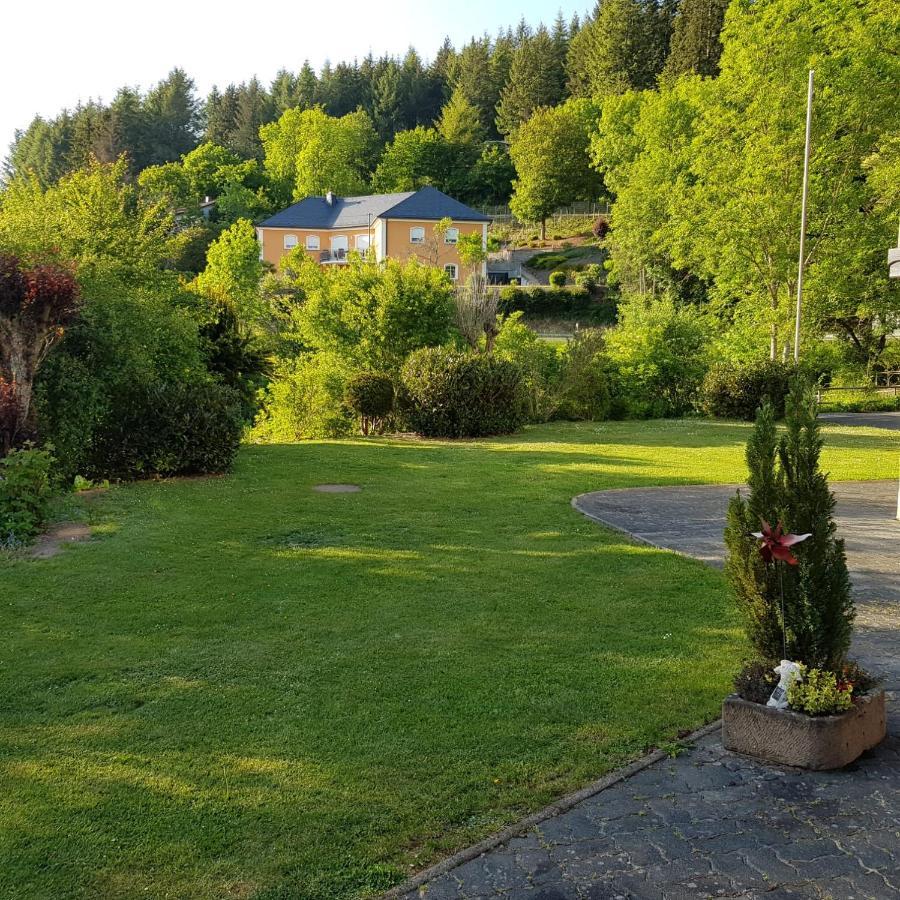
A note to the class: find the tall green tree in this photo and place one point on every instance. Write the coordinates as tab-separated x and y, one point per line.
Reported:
739	219
536	79
550	155
696	40
172	119
415	158
308	152
614	51
254	109
476	80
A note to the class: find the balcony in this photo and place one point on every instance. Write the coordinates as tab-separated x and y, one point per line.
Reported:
333	257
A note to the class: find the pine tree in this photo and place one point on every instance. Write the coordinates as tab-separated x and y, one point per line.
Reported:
788	486
220	114
475	78
307	87
172	118
614	52
127	126
536	79
254	109
283	91
460	123
696	45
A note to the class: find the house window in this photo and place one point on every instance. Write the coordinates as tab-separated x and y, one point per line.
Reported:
362	243
417	235
451	236
290	241
312	242
452	270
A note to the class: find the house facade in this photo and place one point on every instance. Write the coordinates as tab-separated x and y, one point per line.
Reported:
393	226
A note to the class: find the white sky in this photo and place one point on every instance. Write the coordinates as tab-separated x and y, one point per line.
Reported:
57	53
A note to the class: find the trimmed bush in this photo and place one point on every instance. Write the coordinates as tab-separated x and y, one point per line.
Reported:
24	494
453	394
737	391
167	428
563	303
558	278
371	396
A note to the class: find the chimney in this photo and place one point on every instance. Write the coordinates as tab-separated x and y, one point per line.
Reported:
329	198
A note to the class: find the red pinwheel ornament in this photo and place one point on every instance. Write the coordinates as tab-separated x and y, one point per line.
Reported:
775	544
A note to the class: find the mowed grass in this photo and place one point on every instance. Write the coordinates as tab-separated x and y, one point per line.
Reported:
242	688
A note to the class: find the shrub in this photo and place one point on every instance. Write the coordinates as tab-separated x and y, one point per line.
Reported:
563	303
819	693
305	400
584	387
600	228
539	363
371	396
452	394
558	278
788	487
733	391
167	428
756	681
24	494
547	261
660	351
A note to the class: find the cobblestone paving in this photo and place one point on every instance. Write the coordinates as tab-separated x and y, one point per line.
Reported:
708	824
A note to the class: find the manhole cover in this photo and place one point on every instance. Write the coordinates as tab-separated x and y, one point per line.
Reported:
337	488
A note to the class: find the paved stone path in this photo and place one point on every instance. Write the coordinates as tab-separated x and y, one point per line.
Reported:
709	823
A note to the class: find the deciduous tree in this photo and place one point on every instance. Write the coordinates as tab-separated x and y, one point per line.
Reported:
550	155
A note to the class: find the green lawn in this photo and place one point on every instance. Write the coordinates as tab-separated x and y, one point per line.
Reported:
241	688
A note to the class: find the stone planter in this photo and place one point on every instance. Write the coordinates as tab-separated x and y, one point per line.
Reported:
793	739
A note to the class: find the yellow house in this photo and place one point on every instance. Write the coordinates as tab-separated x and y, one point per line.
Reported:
395	226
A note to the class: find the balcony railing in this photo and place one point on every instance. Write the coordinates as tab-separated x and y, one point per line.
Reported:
334	256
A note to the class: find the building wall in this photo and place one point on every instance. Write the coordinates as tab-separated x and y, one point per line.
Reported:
390	238
272	241
434	251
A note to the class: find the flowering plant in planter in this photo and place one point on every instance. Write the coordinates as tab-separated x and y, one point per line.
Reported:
792	585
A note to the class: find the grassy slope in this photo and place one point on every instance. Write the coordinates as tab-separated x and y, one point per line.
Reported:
245	689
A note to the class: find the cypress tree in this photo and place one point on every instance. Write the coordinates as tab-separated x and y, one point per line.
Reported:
788	486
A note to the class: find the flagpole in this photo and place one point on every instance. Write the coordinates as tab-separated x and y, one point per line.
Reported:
803	216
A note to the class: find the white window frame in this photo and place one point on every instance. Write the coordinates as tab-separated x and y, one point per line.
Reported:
413	235
290	241
451	236
454	274
313	242
365	240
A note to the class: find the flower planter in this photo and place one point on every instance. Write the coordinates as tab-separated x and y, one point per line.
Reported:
808	742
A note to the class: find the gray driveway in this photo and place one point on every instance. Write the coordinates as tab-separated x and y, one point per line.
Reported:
890	420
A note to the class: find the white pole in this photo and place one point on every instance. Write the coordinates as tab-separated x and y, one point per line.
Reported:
802	265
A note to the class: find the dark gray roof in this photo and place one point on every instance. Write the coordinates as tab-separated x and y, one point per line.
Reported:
355	212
